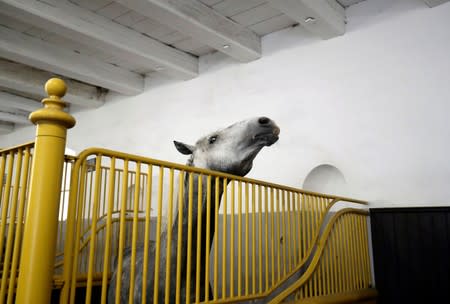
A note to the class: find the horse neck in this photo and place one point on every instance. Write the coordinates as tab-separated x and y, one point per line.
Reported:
186	202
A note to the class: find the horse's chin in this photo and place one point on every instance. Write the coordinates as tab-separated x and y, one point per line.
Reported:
267	138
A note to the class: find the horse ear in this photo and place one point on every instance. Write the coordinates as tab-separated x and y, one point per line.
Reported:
183	148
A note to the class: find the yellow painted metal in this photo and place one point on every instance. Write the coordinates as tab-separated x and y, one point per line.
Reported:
216	240
18	233
40	231
134	239
189	239
297	213
224	240
232	241
260	238
246	205
208	235
266	232
254	254
199	233
158	235
94	227
107	252
335	220
10	236
239	270
169	236
180	235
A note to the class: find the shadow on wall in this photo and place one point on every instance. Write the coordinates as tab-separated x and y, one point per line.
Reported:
326	179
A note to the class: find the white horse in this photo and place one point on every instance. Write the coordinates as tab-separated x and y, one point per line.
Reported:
230	150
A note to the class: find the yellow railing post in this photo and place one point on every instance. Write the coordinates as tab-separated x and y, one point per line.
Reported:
40	232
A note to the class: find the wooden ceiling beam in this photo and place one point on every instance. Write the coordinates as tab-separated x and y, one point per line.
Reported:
21	78
203	24
325	18
18	102
69	20
14	118
433	3
5	128
37	53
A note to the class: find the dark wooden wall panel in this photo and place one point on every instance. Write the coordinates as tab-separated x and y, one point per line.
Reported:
411	254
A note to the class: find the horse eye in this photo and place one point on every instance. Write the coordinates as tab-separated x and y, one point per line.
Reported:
212	139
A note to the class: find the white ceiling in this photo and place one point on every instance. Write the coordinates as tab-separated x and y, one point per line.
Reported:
101	45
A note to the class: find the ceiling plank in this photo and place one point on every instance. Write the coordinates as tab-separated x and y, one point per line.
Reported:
14	118
18	102
69	20
6	128
37	53
20	78
203	24
433	3
318	16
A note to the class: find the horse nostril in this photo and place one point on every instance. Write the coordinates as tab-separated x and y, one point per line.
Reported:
263	120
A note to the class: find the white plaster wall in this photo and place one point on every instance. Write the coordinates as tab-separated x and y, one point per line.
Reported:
374	103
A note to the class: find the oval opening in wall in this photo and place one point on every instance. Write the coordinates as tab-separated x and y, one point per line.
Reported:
327	179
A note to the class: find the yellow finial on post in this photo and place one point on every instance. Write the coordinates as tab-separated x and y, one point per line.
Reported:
40	232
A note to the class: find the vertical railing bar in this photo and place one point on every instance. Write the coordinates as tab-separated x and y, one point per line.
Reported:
329	272
169	237
266	232
147	232
260	239
158	236
3	159
180	235
285	237
299	229
78	218
85	257
60	245
12	218
305	211
246	283
366	251
360	253
199	237
346	254
272	234
6	200
341	255
122	231
216	238
134	235
93	235
239	271
352	252
18	234
208	236
224	240
189	238
232	239
288	228
107	249
254	255
280	238
293	230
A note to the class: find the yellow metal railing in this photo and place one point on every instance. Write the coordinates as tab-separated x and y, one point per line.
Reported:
341	263
14	172
264	233
110	212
